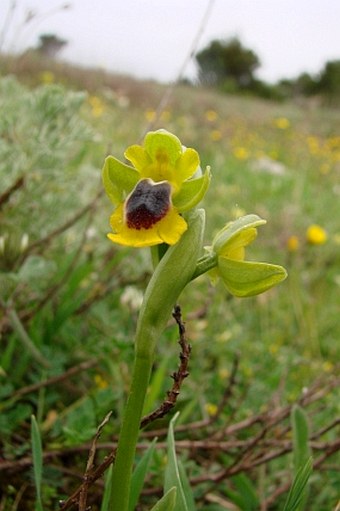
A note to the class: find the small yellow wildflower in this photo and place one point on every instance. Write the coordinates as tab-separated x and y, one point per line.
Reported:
325	168
313	145
274	348
224	373
150	115
97	107
241	153
165	116
316	235
47	77
211	115
100	382
282	123
293	243
327	366
215	135
211	409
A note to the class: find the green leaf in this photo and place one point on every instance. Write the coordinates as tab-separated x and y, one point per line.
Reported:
192	192
301	449
245	497
227	235
246	278
107	491
139	474
186	487
297	490
37	460
173	474
118	179
167	502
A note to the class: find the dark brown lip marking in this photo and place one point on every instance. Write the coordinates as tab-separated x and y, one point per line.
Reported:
147	204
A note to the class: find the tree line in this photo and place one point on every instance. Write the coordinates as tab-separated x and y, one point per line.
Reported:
231	67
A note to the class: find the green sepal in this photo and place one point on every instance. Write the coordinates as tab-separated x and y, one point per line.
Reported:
167	142
192	192
119	179
248	278
228	235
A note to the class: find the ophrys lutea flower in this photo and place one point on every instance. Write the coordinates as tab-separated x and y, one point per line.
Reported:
150	196
242	278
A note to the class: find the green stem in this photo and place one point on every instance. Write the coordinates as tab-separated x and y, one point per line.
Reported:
122	469
204	264
171	275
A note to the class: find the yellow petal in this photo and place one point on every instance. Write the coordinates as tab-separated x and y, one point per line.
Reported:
171	227
236	250
137	156
186	165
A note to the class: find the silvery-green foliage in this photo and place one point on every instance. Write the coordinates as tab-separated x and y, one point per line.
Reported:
43	140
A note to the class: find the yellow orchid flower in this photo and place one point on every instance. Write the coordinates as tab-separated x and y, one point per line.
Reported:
151	195
242	278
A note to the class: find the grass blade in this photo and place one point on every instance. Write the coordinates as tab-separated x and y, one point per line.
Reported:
139	474
173	477
107	491
301	448
300	429
167	502
37	460
297	490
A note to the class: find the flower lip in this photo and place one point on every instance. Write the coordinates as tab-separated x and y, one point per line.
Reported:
147	204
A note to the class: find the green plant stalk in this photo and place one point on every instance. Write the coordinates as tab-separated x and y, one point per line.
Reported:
171	275
204	264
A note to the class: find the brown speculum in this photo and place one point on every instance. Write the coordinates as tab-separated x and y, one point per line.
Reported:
147	204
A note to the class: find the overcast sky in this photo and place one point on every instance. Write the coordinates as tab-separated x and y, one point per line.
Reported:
152	38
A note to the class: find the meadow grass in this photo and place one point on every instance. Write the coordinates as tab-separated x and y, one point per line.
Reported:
77	296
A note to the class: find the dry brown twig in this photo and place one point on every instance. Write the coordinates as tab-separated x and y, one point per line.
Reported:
178	376
90	464
5	197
